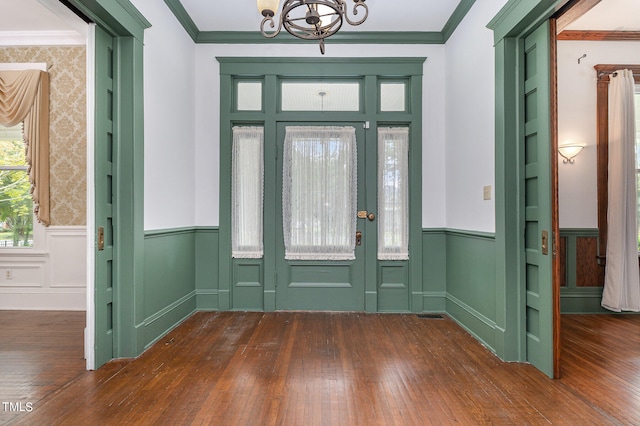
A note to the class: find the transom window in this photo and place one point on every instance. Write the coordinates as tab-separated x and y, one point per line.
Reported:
320	96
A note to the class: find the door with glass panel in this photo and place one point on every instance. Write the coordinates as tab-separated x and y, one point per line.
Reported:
330	239
320	247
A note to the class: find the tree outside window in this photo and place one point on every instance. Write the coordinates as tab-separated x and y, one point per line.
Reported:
16	205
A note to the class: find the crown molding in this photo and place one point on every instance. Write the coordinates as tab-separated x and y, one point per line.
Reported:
342	37
41	38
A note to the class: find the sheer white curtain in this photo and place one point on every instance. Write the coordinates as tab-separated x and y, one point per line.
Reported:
393	193
319	192
622	280
247	177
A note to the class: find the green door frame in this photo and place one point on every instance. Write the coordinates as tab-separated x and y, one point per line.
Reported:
270	70
126	24
514	21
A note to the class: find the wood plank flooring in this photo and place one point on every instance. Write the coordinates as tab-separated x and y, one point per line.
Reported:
235	368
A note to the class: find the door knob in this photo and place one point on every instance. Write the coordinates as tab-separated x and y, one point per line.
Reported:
371	217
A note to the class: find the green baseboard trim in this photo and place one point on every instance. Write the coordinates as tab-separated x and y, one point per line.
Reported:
582	301
162	322
478	325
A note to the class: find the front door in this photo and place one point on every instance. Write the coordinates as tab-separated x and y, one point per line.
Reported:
322	243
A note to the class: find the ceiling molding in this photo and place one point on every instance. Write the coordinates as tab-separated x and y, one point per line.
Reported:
41	38
342	37
456	18
577	35
572	11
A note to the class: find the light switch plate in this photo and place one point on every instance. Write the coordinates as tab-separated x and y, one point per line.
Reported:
486	191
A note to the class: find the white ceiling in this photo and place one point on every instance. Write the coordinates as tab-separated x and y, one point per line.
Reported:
384	15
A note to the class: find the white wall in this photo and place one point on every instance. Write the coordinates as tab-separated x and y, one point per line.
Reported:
169	135
577	184
470	120
208	117
50	276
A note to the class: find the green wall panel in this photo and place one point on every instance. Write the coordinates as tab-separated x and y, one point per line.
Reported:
248	285
207	267
169	286
471	282
434	278
393	286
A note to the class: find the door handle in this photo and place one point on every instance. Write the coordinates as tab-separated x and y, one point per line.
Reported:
358	238
371	217
545	242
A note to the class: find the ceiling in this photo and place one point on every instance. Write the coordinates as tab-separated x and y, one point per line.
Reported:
384	15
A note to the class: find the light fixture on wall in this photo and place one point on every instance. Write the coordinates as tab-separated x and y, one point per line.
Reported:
309	19
569	151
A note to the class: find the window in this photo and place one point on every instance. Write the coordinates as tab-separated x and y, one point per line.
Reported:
16	206
247	184
320	96
393	193
603	72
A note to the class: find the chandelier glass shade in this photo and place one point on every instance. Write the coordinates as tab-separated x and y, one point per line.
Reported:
309	19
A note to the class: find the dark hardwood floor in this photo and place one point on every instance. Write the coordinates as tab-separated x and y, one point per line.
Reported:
316	368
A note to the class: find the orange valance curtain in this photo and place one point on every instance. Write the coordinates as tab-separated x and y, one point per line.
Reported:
24	97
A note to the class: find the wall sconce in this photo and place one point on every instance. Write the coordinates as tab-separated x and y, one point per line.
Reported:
569	151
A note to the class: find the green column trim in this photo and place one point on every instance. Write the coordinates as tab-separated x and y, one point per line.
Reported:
121	16
518	15
342	37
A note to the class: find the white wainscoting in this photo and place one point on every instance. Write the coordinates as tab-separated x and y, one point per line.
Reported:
51	276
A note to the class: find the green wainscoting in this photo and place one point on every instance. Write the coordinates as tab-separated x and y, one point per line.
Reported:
170	280
434	275
471	283
582	278
207	267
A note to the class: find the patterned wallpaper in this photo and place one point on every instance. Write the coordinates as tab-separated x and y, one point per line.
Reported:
68	119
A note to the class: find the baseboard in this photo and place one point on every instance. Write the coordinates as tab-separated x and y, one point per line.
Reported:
478	325
159	324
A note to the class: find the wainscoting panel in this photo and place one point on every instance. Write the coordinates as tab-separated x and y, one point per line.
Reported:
582	277
169	280
52	276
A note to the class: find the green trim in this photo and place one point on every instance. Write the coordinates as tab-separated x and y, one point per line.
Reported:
477	324
579	232
471	234
517	15
342	37
156	326
318	67
456	18
121	17
166	232
183	18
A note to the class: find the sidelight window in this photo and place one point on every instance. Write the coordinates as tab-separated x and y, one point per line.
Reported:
247	183
393	193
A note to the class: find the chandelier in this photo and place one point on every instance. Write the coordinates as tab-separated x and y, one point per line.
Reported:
309	19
